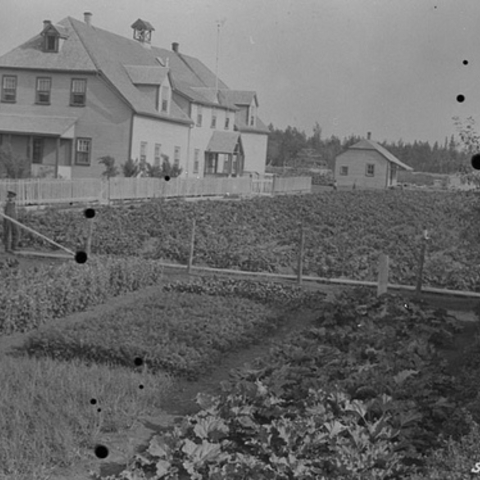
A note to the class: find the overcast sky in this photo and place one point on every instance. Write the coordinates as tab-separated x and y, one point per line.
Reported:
392	67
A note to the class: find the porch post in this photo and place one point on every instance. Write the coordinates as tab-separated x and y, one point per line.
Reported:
57	156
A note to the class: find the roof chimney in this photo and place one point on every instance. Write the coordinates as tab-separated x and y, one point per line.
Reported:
369	134
175	47
87	18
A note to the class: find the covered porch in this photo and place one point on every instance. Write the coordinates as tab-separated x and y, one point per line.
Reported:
47	143
224	155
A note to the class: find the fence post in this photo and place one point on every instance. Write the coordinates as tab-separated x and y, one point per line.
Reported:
88	246
300	254
382	275
425	239
192	242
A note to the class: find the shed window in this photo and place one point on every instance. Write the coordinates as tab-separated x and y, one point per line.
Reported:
84	146
78	93
343	170
370	170
44	86
9	88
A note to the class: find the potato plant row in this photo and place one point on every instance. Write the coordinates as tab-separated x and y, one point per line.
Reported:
361	395
345	232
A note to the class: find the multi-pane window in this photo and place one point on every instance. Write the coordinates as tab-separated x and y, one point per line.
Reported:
84	146
143	152
370	171
165	97
199	115
227	122
343	170
176	157
78	94
158	154
196	160
44	86
51	43
214	119
9	88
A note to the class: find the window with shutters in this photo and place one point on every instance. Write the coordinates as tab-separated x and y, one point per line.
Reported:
84	146
78	94
9	88
44	86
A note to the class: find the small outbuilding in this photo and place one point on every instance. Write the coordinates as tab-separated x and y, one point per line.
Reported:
366	164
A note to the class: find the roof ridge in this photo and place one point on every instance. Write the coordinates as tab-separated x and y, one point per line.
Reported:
92	57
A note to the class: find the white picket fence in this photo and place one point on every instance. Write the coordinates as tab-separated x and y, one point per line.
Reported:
86	190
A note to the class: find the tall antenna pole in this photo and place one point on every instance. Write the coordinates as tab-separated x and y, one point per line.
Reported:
219	24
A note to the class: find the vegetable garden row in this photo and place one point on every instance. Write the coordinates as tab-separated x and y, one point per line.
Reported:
344	233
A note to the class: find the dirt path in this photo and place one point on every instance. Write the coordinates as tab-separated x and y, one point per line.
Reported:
124	444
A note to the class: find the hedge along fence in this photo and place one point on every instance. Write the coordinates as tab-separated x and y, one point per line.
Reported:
30	298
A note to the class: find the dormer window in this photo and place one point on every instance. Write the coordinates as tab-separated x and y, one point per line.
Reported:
251	119
165	99
51	43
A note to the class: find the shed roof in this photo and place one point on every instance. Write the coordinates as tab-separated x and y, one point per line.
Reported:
223	142
366	144
35	124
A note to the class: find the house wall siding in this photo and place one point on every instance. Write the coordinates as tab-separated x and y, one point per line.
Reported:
356	161
255	150
105	118
169	135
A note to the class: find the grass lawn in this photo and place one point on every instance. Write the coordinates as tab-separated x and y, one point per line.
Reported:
47	416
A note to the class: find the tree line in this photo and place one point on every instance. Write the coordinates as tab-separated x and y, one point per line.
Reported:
287	147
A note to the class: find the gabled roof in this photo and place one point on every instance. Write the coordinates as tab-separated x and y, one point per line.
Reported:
122	62
58	29
223	142
242	126
72	56
238	97
146	75
366	144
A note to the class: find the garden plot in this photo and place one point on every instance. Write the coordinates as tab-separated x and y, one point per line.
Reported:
180	333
